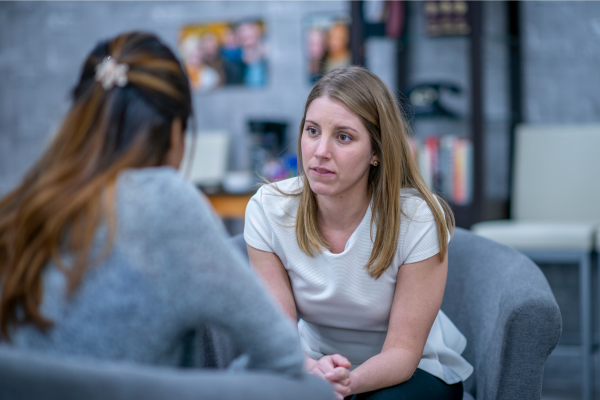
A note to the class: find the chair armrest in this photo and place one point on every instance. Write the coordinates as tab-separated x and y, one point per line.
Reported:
43	377
527	335
502	303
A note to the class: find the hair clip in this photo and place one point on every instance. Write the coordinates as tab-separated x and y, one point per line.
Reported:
110	73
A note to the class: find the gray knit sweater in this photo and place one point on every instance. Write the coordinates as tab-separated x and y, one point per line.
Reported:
171	271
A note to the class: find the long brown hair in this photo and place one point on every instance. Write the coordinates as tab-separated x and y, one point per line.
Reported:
69	191
370	99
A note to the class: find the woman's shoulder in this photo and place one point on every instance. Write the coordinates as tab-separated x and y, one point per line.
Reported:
412	202
283	188
280	195
416	211
157	185
418	239
274	206
152	178
158	193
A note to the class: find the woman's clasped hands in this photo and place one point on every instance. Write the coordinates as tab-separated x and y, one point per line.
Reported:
336	369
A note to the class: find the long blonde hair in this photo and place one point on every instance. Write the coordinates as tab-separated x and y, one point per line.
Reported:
70	189
370	99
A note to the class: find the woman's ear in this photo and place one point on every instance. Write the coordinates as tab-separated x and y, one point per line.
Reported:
176	145
374	159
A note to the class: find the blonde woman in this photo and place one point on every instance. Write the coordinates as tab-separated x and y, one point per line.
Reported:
356	248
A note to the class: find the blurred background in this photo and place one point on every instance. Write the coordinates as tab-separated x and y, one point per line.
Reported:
466	74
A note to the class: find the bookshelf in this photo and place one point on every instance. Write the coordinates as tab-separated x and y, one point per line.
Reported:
472	122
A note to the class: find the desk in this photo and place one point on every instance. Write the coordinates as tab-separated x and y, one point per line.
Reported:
228	205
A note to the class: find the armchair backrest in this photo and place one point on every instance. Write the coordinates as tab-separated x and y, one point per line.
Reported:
25	375
500	300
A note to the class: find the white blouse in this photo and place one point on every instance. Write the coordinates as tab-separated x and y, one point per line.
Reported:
342	309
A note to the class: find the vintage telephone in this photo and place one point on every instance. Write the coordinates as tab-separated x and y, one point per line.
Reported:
425	98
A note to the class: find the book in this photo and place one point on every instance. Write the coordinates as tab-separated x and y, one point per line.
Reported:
446	164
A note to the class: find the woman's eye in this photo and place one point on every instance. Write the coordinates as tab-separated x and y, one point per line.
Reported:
312	131
344	138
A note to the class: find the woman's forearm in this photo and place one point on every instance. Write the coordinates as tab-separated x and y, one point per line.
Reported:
388	368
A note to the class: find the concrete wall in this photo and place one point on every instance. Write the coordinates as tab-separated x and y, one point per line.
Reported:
561	59
43	44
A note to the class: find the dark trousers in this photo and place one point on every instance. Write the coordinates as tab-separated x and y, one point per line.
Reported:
421	386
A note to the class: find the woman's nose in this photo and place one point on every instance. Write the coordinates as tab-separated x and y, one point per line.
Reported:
322	150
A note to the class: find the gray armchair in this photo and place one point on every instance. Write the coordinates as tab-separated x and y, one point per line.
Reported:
502	303
25	376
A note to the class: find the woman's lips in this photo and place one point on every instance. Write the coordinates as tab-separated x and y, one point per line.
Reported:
319	171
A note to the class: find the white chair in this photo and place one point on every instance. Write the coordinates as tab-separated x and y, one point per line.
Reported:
555	211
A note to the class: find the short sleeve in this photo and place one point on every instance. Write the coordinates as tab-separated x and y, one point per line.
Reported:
421	240
257	230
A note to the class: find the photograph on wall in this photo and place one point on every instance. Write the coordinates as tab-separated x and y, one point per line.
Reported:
224	54
327	41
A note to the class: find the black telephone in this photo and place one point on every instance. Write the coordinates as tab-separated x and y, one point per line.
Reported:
424	99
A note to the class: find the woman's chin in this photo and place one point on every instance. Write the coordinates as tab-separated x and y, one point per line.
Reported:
321	189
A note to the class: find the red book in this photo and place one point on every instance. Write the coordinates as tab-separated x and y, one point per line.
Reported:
432	145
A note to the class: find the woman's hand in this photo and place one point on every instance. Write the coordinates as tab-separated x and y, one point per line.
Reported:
336	369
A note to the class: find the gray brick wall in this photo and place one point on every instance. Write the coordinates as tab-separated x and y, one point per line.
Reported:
43	44
561	58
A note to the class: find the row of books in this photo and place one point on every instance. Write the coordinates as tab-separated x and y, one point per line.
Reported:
446	164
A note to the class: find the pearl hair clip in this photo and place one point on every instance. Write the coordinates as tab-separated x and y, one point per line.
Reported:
110	73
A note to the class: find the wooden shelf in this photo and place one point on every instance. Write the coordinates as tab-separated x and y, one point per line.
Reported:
480	208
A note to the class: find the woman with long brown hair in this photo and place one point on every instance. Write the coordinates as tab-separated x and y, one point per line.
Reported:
106	251
356	248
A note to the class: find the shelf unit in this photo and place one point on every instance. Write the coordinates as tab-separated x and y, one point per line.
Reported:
480	208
